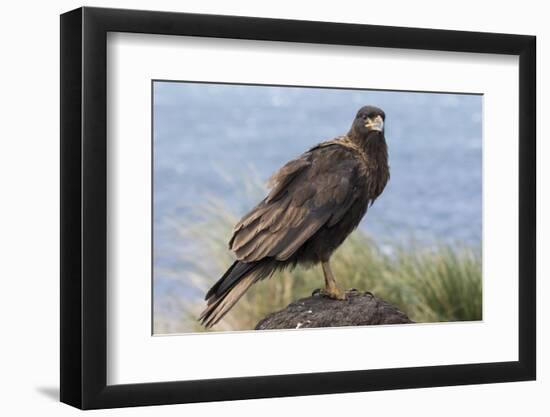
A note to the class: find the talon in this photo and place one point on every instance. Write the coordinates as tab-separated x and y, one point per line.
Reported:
334	294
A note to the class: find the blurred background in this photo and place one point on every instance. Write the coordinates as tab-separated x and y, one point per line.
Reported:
215	145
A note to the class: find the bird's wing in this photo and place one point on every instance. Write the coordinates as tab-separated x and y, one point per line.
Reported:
314	190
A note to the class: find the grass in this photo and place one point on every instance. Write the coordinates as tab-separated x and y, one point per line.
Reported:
439	283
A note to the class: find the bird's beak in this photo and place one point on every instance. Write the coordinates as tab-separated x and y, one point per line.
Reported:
375	124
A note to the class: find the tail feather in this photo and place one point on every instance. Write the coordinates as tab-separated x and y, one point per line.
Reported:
215	287
230	278
230	288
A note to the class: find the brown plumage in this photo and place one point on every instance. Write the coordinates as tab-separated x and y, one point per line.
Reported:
315	202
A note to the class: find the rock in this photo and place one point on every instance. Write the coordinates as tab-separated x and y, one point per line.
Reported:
360	309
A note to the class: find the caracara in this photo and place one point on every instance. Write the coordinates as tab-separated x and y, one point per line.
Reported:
315	202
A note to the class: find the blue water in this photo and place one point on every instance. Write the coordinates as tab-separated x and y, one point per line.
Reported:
204	133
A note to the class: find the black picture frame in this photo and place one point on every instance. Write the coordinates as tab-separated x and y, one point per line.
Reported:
84	207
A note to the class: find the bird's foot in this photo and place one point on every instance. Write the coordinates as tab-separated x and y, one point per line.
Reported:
355	291
333	293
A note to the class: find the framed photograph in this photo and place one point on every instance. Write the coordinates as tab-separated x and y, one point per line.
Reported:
258	207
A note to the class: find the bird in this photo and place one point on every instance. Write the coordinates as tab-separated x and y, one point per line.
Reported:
315	201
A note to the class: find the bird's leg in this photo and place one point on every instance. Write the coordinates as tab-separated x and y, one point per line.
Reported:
331	290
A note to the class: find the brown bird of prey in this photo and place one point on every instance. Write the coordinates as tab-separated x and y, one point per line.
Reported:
315	202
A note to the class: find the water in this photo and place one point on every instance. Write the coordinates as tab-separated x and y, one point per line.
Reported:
205	133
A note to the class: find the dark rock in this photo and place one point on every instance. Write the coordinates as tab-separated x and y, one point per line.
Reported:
360	309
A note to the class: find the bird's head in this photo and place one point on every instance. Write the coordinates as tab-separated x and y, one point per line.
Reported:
369	119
